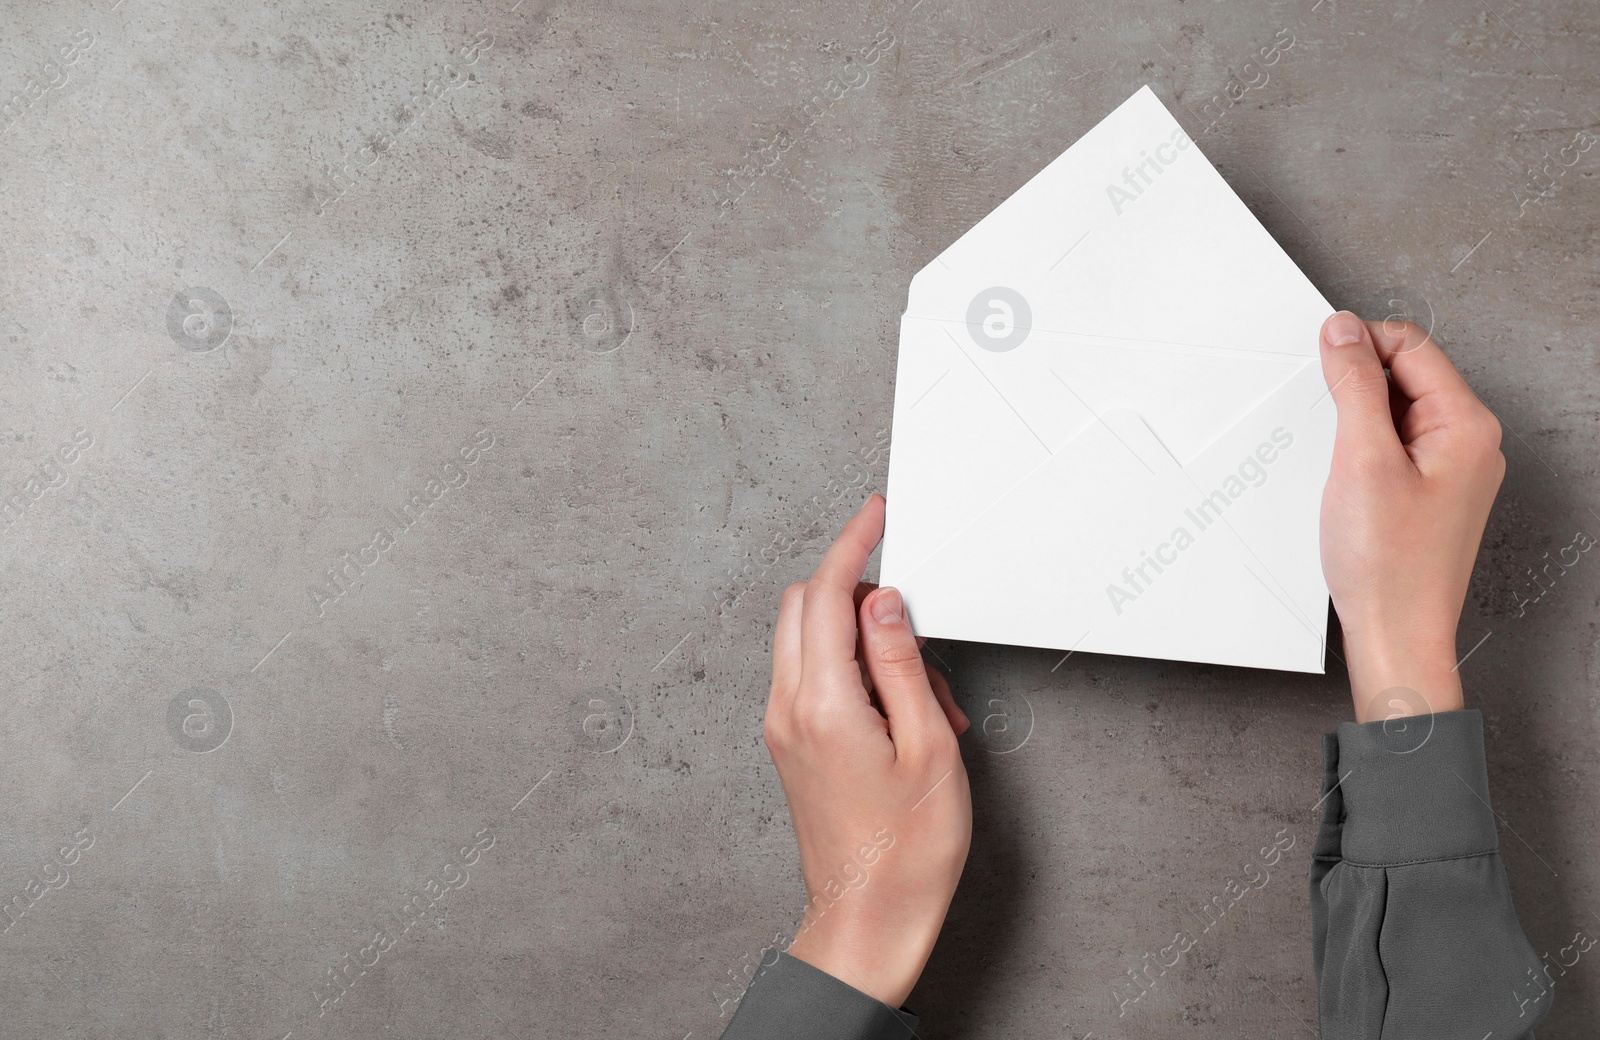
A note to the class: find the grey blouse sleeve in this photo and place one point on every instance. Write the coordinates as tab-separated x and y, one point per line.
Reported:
791	1000
1413	931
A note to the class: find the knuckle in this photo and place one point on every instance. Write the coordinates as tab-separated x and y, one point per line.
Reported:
774	732
1480	436
899	657
1411	334
1490	431
1488	461
1401	336
1366	381
818	719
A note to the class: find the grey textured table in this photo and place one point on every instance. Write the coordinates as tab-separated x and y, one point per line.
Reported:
412	413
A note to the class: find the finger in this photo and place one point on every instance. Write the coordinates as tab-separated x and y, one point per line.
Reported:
947	700
1419	367
1443	424
898	675
863	589
1360	389
828	627
786	646
866	677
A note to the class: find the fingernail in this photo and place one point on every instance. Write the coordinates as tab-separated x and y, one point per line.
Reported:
887	607
1342	330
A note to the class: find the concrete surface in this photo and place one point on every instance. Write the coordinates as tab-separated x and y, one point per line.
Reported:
271	306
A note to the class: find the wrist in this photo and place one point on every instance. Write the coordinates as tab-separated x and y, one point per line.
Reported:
882	962
1402	675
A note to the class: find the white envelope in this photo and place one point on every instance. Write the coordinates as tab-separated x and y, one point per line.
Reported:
1111	429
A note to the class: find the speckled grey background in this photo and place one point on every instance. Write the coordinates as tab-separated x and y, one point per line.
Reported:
643	264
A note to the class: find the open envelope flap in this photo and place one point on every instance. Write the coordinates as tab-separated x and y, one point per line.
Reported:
1100	550
1133	234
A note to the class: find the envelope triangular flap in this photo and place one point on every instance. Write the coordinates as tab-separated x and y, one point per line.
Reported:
1113	240
1137	280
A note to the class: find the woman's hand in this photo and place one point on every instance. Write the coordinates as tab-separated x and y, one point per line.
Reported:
864	738
1416	465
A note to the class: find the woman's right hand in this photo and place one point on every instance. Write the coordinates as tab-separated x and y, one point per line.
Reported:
1416	465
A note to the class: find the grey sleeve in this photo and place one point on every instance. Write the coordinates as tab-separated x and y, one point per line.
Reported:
791	1000
1413	931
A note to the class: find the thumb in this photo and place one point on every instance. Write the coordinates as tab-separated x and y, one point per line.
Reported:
895	663
1359	387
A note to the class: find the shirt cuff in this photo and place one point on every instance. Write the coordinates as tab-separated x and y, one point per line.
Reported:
791	1000
1412	789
